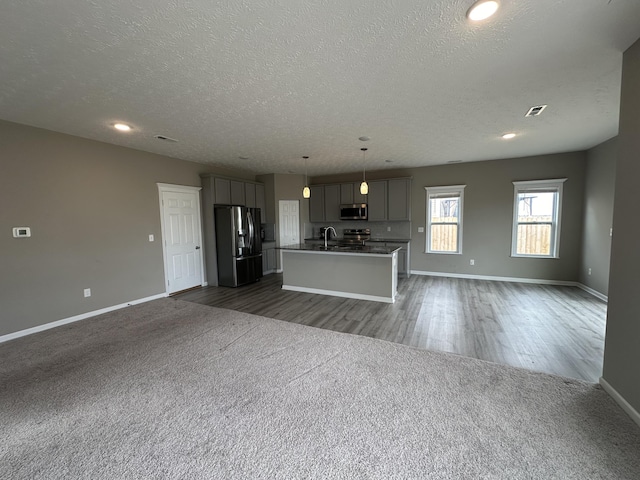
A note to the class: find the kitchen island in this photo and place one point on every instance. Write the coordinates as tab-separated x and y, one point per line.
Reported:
360	272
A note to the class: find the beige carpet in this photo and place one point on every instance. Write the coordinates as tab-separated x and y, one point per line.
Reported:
171	389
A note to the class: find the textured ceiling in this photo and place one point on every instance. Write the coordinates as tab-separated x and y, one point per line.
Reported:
275	80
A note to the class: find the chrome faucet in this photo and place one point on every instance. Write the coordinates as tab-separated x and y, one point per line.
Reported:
326	235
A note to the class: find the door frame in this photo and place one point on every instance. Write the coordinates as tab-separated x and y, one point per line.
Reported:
168	187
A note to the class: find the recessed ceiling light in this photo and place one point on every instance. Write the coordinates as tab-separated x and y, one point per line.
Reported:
507	136
243	158
364	139
123	127
482	10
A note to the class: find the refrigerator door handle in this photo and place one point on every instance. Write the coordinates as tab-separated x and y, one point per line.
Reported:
251	230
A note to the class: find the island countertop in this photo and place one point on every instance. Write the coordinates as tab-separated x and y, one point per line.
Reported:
342	249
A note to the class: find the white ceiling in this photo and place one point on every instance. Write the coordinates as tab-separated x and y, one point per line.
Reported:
273	80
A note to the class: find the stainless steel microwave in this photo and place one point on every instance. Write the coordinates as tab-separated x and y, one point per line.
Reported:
355	211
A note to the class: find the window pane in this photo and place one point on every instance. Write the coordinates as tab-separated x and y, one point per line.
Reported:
444	210
536	206
444	238
534	240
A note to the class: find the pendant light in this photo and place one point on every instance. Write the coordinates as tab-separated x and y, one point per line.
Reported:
364	186
306	191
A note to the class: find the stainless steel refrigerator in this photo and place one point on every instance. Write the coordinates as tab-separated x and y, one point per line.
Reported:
238	245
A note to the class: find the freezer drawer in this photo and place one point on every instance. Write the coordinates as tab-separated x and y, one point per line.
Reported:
244	270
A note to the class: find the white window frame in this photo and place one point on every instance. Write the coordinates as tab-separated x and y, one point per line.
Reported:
532	186
454	190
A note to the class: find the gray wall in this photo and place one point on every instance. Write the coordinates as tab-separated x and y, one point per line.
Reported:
622	346
488	215
598	215
91	207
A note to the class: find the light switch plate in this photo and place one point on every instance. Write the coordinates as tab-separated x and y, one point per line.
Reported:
151	238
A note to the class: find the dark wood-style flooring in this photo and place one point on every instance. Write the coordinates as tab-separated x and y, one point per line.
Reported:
552	329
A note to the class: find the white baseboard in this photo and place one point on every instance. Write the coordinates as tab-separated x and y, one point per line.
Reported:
76	318
593	292
538	281
334	293
619	399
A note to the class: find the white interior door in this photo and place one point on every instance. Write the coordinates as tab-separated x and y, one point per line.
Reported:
181	235
289	221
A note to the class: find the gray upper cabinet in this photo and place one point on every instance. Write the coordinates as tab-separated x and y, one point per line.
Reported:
222	190
331	203
237	192
261	203
399	193
377	200
316	203
388	200
346	193
350	193
250	195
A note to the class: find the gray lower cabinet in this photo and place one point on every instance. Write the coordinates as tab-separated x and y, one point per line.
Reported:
269	258
404	256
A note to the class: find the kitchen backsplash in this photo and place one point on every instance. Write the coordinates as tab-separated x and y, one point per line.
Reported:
378	229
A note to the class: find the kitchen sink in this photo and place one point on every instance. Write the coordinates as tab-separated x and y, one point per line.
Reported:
336	247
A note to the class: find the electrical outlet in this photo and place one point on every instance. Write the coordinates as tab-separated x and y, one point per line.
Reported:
589	272
151	238
472	262
388	229
87	292
420	229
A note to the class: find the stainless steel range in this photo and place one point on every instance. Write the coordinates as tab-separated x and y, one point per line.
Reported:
355	236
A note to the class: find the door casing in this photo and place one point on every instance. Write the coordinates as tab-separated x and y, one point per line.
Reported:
166	187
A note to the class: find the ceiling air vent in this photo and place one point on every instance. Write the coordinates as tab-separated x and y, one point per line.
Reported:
166	139
535	111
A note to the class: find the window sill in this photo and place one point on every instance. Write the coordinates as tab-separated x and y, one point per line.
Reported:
550	257
443	253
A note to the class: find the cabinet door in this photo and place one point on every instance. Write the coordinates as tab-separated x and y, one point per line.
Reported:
346	193
272	259
265	262
222	189
399	190
250	194
316	204
402	262
261	203
377	200
237	192
332	203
